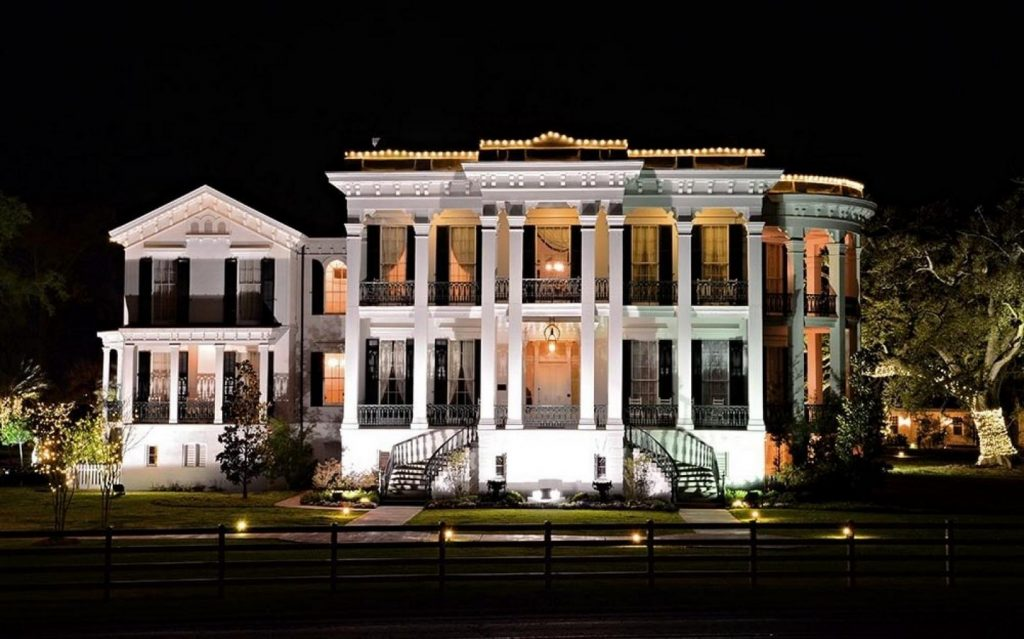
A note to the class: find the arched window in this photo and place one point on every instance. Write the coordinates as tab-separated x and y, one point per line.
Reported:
335	288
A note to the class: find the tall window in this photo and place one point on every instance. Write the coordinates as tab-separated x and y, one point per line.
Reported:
460	372
334	379
193	455
392	372
250	301
165	299
645	253
553	251
462	254
774	276
715	372
644	388
335	288
151	455
159	378
392	253
715	252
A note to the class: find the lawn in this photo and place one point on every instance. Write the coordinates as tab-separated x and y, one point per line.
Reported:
466	516
30	509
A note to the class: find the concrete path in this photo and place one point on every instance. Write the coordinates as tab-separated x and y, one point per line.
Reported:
387	516
712	516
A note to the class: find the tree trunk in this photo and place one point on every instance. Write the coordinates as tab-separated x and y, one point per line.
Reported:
21	455
245	489
993	436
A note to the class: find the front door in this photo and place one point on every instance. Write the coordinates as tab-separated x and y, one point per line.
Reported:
553	378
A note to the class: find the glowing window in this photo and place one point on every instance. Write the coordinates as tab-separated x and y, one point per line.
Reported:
715	252
335	288
334	379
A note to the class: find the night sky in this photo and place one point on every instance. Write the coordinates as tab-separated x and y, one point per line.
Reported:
109	111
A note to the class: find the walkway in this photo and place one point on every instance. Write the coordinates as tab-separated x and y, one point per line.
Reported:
387	516
712	516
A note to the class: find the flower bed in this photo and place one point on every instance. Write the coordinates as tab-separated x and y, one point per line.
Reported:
579	501
358	499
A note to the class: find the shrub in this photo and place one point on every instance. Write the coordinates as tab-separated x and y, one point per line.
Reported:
895	440
326	474
358	480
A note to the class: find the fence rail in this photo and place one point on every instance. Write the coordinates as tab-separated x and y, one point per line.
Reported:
215	559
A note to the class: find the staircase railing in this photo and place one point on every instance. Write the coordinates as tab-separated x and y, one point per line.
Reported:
406	452
640	438
694	452
463	438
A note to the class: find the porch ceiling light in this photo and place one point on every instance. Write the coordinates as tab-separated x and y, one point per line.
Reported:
551	334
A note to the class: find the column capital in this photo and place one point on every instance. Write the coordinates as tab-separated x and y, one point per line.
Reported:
795	245
839	248
588	224
488	224
515	209
353	229
684	227
755	228
515	224
421	229
616	222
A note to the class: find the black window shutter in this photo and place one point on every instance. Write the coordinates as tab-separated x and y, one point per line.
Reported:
440	371
697	372
372	365
410	253
737	249
316	379
441	251
785	269
665	232
182	288
142	375
479	275
696	264
575	251
627	264
737	376
317	303
372	253
267	289
476	370
230	291
627	374
409	348
182	375
270	376
145	291
529	259
666	389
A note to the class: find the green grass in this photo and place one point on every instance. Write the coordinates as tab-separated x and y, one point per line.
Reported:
30	509
465	516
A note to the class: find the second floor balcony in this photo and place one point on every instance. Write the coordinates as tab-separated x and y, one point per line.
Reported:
720	416
660	415
719	293
377	293
651	293
820	304
556	289
454	294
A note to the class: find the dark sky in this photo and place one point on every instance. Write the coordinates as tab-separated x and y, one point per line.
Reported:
122	108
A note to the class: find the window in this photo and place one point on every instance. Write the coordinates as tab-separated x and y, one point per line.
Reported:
193	455
715	373
335	288
392	372
165	299
159	377
462	254
958	426
600	467
392	253
461	366
645	253
334	379
894	424
501	466
644	375
250	301
553	251
715	252
774	276
151	455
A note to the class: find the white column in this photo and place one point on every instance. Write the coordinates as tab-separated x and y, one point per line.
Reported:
120	370
420	327
837	340
515	318
684	326
755	326
218	383
615	299
488	327
126	377
587	316
105	375
353	340
264	371
172	385
795	248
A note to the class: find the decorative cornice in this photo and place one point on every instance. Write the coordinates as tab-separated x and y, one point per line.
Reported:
220	334
553	140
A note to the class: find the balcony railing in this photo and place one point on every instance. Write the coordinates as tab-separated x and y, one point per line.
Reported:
651	415
719	292
551	416
501	289
819	304
396	415
386	293
540	289
449	293
113	407
813	411
151	412
654	292
195	411
778	303
453	415
713	416
601	289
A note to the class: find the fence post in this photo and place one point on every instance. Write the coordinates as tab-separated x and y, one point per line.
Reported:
221	544
949	553
108	547
650	553
851	555
547	554
442	529
334	556
753	553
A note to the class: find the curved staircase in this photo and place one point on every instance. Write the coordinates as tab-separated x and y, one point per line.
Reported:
414	463
691	467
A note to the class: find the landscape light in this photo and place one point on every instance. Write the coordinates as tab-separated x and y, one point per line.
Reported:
847	532
738	503
448	534
754	515
241	525
637	538
346	510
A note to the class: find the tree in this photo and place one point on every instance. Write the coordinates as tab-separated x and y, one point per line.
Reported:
944	296
16	396
61	445
291	454
246	452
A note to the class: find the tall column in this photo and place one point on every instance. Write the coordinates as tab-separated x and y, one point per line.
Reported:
684	326
218	383
488	322
795	248
105	375
120	370
264	371
615	301
420	326
815	368
516	218
755	326
588	308
127	380
172	385
837	340
353	339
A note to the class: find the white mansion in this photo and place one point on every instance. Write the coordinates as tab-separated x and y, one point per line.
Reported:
548	305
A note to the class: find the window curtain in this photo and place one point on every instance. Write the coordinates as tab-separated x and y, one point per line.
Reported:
462	254
461	370
644	374
553	245
555	237
165	275
160	377
250	302
392	253
392	372
715	373
645	253
715	249
774	274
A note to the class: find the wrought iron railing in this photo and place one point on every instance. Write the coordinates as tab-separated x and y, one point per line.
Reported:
500	415
453	414
719	292
150	412
449	293
601	289
206	385
501	289
639	438
778	303
386	293
714	416
385	414
652	415
551	416
601	415
195	411
542	289
461	440
658	293
410	451
819	304
113	409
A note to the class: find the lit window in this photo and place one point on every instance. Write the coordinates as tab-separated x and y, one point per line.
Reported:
334	379
644	374
462	254
461	366
393	253
335	288
392	372
165	299
958	426
553	244
715	252
250	299
715	372
151	455
774	276
645	253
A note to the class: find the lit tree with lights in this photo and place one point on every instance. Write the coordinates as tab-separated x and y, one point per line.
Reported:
16	398
945	309
246	452
61	445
